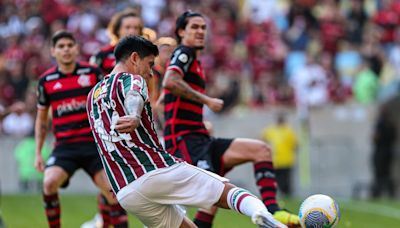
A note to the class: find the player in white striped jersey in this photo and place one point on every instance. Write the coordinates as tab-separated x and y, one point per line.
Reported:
148	181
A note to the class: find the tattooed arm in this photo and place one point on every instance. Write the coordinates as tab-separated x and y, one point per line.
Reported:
177	86
40	136
134	105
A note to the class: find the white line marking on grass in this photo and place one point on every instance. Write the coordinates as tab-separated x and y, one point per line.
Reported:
373	208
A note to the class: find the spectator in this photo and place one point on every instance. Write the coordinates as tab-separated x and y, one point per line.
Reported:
283	140
18	123
366	84
310	83
356	19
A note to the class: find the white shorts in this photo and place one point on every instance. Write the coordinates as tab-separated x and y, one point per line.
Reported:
154	197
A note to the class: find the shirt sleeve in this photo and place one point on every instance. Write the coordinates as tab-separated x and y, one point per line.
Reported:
42	96
181	59
135	83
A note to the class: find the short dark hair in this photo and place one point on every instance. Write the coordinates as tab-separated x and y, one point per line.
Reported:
182	21
129	44
61	34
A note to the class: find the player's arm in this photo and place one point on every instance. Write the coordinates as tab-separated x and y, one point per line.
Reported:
174	82
133	103
40	136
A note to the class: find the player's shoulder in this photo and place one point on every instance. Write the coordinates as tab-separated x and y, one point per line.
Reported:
131	76
185	49
103	52
50	74
107	49
181	57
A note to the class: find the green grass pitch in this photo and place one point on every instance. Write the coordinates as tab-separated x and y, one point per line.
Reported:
25	211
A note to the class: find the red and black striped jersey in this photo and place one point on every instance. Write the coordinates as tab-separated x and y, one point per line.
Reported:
66	95
184	116
105	59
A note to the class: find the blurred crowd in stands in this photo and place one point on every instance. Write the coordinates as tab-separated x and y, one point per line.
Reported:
260	52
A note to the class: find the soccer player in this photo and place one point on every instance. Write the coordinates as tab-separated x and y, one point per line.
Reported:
185	134
165	45
64	89
123	23
148	181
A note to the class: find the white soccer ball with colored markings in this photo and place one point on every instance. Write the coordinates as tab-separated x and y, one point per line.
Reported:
319	211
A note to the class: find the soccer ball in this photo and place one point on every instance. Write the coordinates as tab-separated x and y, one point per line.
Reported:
319	211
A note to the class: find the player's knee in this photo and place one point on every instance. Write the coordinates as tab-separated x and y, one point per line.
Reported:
263	152
50	186
222	202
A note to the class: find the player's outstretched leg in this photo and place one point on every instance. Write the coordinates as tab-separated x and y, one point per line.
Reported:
244	150
244	202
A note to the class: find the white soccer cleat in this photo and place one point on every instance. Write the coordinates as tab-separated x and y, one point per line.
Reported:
264	219
96	222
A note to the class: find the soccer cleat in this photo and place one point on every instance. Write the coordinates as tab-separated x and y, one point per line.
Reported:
96	222
264	219
287	218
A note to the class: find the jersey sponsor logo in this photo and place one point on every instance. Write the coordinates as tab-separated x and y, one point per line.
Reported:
183	58
106	105
97	93
57	86
84	80
73	105
52	77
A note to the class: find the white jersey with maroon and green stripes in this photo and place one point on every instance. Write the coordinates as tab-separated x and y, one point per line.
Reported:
125	156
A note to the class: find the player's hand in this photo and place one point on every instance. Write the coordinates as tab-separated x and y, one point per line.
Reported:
127	124
39	163
215	104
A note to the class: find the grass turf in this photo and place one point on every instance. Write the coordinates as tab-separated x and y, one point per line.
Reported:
24	211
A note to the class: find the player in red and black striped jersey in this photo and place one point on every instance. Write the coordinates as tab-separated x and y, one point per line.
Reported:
124	23
185	134
63	90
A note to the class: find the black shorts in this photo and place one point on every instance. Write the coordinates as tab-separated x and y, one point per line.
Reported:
203	151
74	156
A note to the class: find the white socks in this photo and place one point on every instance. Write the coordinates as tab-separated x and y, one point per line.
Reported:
244	202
